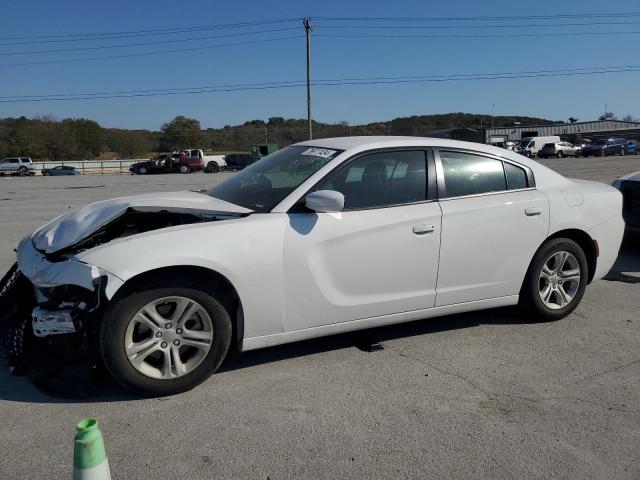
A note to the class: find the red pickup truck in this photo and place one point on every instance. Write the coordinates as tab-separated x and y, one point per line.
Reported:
168	163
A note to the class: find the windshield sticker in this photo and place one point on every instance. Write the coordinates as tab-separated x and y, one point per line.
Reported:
319	152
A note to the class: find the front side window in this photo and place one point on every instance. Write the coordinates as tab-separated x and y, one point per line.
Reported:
381	179
265	183
470	174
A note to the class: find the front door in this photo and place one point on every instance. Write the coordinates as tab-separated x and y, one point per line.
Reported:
377	257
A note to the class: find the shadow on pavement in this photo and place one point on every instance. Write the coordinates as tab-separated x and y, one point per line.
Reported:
627	266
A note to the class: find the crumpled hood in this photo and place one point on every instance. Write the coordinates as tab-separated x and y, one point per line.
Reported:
70	228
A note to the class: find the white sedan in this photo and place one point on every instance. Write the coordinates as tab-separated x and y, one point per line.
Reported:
321	237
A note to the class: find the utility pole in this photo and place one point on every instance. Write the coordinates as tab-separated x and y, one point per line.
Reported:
266	135
308	29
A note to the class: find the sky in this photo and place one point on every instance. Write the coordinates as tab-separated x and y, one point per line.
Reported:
233	60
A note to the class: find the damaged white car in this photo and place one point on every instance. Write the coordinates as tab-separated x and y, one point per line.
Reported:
322	237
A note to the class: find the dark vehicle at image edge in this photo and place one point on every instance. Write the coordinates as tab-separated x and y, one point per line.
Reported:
610	146
238	161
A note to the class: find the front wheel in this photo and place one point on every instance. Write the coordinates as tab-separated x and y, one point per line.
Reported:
556	280
622	151
165	340
560	154
22	171
185	169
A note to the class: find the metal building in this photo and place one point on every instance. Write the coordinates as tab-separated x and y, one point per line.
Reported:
572	132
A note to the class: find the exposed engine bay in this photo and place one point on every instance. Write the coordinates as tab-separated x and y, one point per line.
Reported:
135	220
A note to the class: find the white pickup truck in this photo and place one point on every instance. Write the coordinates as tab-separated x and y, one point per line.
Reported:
212	163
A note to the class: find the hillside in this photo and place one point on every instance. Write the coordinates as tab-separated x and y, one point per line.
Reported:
71	139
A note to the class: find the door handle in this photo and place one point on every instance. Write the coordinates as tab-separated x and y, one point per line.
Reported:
532	211
423	229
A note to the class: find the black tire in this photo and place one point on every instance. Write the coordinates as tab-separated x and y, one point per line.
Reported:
121	311
184	169
142	171
560	154
530	302
47	174
622	152
213	167
22	171
602	153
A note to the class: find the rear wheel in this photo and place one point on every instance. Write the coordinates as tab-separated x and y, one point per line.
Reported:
22	171
185	169
142	171
622	151
602	153
560	154
163	341
556	280
213	167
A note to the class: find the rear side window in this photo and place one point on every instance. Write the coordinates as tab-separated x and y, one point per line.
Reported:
470	174
516	177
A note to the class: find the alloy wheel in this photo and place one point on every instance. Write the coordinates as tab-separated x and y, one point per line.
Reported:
559	280
168	337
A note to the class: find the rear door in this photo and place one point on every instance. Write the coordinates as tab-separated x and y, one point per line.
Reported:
493	221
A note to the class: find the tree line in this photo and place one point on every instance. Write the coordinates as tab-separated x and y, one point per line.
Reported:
48	138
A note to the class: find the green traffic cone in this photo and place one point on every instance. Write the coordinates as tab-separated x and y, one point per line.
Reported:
89	457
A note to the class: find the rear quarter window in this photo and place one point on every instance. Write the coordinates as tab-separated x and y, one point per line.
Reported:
516	177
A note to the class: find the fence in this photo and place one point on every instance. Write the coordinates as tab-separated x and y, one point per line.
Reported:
92	167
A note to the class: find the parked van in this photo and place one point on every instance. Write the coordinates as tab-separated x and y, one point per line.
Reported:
530	146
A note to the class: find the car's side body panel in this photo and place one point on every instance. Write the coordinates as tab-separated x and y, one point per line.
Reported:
246	251
334	328
488	242
594	208
360	264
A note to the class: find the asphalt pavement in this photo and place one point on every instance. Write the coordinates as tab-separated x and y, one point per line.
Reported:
478	395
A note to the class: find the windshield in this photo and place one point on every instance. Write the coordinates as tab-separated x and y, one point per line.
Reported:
264	184
524	142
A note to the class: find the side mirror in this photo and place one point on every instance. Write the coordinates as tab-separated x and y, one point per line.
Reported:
325	201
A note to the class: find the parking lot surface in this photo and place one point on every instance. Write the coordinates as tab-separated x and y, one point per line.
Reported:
478	395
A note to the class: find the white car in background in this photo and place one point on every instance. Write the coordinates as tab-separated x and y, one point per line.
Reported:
318	238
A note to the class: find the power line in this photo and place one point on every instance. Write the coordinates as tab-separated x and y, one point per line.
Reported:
157	31
143	54
287	83
125	45
485	18
338	82
497	35
439	27
321	81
